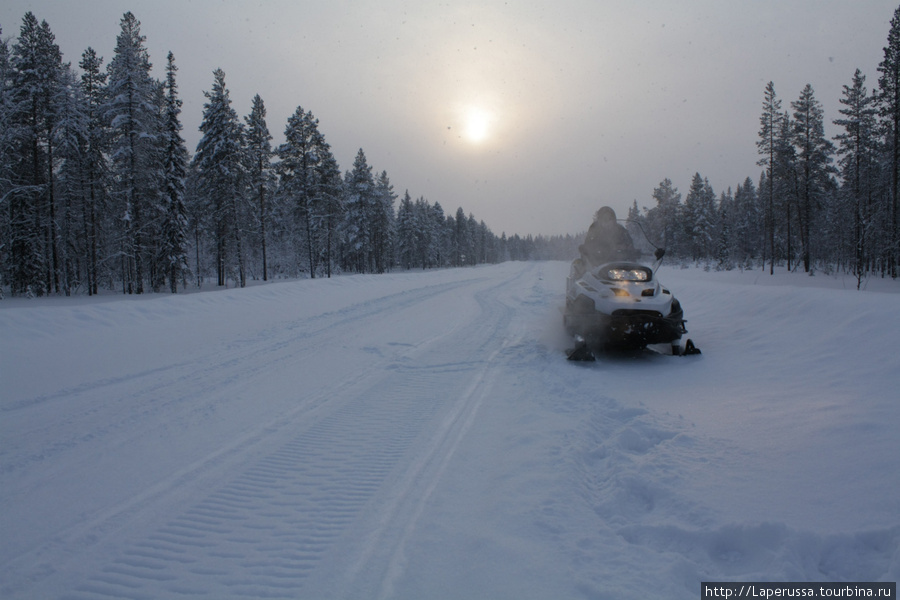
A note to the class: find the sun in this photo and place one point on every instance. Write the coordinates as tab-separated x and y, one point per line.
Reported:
477	125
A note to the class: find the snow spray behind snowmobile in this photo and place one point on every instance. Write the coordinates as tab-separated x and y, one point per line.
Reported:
613	302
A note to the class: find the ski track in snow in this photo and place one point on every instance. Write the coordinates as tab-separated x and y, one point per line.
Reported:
264	532
421	435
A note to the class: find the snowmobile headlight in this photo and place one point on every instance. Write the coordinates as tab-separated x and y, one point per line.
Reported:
628	275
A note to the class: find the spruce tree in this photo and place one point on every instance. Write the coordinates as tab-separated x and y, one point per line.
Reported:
155	217
329	199
724	238
134	120
439	247
460	238
382	224
220	171
700	217
663	218
259	170
298	157
814	168
428	223
174	230
70	140
766	145
889	109
748	223
858	152
786	184
474	251
93	86
36	76
6	157
406	231
359	195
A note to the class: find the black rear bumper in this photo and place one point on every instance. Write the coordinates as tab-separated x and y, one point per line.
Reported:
626	328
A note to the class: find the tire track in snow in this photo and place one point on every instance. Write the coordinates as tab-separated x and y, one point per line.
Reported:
293	521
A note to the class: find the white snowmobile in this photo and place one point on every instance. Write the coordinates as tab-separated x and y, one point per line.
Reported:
620	305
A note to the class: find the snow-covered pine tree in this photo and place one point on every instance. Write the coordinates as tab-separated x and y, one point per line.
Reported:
296	168
786	186
70	139
221	177
154	218
472	249
133	115
359	195
96	167
438	247
814	152
6	156
724	229
418	232
199	223
175	225
428	233
662	220
504	247
486	246
259	172
769	121
889	110
748	231
36	76
452	247
382	224
460	237
700	218
406	231
858	150
329	200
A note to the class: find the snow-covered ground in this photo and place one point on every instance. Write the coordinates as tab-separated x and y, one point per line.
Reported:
420	435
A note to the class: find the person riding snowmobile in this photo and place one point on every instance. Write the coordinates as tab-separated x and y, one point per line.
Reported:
615	302
606	241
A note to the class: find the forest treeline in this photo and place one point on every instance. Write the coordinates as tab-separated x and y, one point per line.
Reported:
819	203
98	190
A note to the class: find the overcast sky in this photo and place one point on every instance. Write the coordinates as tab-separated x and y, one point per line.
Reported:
529	114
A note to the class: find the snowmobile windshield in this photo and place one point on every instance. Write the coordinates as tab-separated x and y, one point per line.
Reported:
628	274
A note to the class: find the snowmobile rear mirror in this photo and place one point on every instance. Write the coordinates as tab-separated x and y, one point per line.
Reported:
660	252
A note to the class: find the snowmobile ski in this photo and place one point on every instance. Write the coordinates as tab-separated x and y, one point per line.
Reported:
580	352
690	349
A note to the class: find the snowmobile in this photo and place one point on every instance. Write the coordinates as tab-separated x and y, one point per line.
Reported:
621	305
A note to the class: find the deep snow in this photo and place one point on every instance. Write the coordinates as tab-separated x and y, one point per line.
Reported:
420	435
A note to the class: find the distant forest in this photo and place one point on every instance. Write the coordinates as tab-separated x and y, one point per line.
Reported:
818	204
99	192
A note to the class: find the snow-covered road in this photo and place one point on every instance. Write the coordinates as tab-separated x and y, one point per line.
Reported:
419	435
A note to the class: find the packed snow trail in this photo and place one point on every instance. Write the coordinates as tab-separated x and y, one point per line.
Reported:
365	415
419	435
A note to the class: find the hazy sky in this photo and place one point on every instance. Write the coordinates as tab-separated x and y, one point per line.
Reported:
529	114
